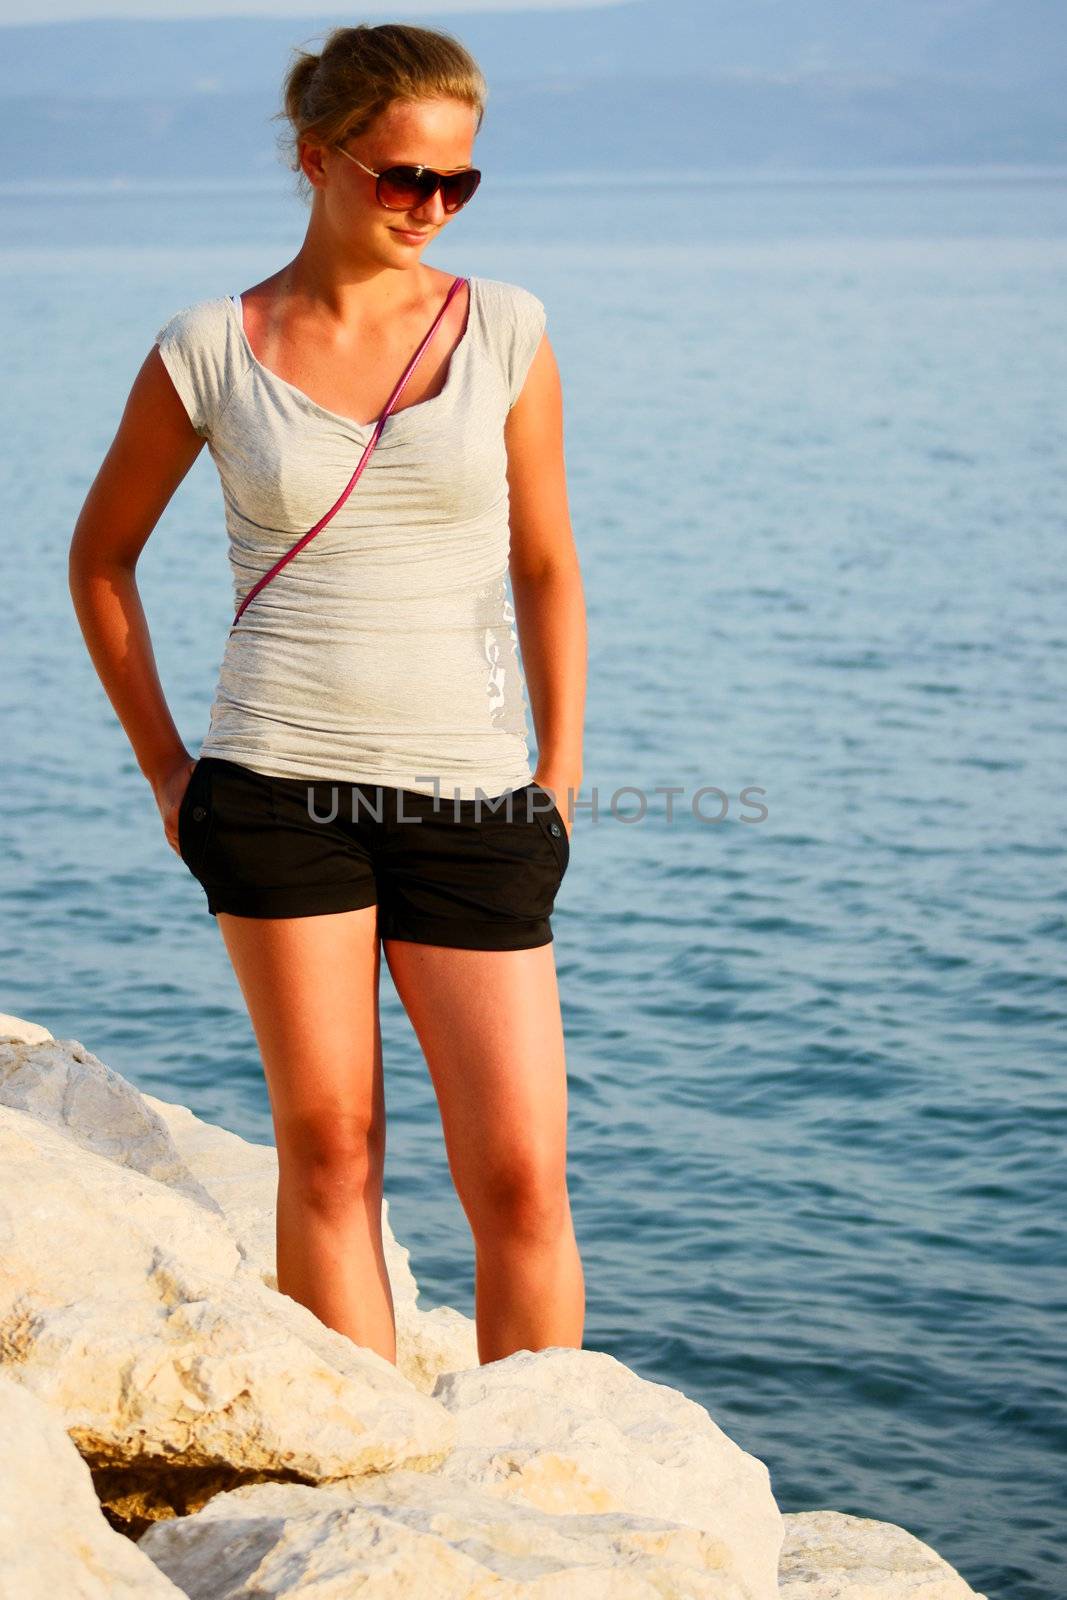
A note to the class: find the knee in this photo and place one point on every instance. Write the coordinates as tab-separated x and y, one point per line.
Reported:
333	1158
521	1196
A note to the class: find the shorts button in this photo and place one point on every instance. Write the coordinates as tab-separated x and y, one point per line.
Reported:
199	813
553	827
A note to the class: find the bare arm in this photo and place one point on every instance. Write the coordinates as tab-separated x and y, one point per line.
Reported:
152	452
546	580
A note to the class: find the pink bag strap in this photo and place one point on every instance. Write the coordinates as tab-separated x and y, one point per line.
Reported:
364	458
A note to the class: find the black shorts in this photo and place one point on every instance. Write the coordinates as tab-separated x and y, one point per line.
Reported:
476	874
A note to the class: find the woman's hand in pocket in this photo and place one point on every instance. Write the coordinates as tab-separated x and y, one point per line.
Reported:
169	790
563	791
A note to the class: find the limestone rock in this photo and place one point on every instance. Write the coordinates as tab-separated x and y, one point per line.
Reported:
260	1453
54	1541
18	1028
829	1555
411	1535
62	1084
128	1309
577	1431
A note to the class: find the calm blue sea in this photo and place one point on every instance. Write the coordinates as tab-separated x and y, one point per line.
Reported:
815	439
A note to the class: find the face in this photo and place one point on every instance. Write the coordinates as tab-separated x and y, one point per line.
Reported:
431	133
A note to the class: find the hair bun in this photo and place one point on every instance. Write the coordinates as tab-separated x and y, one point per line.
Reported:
360	70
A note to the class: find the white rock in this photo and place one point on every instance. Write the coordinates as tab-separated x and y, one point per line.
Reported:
577	1431
830	1555
129	1310
19	1028
61	1083
55	1543
413	1536
138	1304
64	1085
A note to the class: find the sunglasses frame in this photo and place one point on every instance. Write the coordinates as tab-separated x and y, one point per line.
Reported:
404	166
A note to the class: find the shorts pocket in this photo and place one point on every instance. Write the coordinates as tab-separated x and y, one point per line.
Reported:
194	817
553	825
237	848
522	833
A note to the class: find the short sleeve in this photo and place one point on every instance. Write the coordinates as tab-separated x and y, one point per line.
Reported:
527	331
197	353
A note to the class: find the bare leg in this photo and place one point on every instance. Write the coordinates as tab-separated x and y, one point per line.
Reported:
489	1025
311	988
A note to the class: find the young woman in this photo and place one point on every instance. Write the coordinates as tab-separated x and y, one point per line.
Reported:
364	781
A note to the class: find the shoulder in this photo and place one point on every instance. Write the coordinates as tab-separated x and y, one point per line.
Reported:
197	323
202	349
510	300
512	326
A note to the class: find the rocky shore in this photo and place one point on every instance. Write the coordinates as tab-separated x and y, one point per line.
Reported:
175	1426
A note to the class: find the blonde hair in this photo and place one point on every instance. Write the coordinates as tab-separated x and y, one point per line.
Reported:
360	71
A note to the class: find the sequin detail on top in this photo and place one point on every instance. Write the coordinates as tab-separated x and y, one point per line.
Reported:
385	651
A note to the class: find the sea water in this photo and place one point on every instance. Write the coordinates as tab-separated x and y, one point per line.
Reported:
814	435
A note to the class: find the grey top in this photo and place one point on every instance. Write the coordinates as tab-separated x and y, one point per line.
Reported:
385	651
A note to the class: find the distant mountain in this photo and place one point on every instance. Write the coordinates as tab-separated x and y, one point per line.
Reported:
997	42
652	83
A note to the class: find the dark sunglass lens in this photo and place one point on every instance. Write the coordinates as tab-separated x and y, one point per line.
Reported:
402	188
457	189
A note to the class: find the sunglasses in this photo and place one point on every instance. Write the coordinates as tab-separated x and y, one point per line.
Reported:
403	188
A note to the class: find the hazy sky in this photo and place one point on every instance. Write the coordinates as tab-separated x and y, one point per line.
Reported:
67	10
